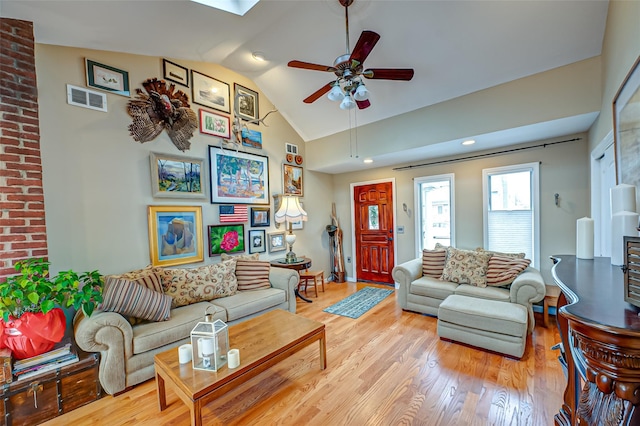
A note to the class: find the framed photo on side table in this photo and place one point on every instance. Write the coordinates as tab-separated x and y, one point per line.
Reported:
247	102
238	177
626	122
276	241
105	77
210	92
173	176
257	243
175	235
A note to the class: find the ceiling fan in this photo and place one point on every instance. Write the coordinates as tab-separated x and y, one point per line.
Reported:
349	70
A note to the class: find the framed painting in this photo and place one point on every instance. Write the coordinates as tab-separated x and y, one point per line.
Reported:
238	177
176	73
173	176
626	128
260	216
247	102
226	239
293	183
105	77
210	92
251	138
175	235
214	124
257	243
276	241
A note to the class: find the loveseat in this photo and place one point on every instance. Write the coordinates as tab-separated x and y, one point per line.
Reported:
175	300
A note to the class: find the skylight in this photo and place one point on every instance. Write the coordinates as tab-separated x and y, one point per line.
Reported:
238	7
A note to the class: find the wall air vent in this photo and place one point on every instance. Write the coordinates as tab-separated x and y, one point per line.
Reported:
79	96
291	148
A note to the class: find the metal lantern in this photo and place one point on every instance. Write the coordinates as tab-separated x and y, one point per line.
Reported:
210	343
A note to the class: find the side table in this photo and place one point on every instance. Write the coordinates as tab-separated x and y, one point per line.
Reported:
300	264
550	299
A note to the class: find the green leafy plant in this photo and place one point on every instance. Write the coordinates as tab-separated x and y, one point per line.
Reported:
32	290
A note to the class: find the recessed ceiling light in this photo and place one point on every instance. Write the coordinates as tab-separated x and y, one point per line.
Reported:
468	142
258	56
367	160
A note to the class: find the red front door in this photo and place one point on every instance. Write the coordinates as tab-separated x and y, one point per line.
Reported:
374	232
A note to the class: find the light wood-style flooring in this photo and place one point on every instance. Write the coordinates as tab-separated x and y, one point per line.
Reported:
387	367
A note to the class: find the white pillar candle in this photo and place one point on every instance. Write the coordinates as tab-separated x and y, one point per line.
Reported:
208	347
623	198
584	238
622	224
233	358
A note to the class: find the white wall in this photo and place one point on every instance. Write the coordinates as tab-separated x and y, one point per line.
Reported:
97	182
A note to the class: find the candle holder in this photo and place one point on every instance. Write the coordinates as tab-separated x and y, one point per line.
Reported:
210	343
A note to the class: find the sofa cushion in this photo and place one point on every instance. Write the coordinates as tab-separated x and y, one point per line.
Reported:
151	335
208	282
432	287
433	262
499	253
489	293
252	274
502	270
245	303
129	298
225	256
466	267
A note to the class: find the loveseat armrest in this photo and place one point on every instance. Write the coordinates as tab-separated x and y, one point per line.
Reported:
526	289
287	280
110	334
404	274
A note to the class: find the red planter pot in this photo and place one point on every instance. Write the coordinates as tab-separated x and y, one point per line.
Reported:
33	333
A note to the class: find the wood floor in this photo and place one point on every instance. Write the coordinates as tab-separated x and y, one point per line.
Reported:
387	367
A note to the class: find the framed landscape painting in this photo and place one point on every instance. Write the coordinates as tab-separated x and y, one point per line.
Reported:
174	176
226	239
210	92
175	235
238	177
107	78
260	216
626	128
293	183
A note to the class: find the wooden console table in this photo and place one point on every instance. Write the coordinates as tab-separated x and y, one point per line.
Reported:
601	344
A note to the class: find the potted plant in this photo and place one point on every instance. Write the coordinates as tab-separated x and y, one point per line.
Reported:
30	305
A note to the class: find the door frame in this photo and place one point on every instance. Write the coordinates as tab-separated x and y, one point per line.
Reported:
596	201
352	277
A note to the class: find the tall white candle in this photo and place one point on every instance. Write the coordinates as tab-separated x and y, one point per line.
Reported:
208	347
622	224
623	198
584	238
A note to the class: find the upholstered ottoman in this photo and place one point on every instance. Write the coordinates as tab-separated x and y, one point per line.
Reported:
489	324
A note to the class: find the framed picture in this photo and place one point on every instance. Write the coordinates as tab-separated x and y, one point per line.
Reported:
238	177
626	122
276	241
107	78
173	176
175	235
252	138
247	103
292	176
214	124
257	242
226	239
176	73
209	92
260	216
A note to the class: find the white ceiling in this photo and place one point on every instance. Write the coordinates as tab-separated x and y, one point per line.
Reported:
456	47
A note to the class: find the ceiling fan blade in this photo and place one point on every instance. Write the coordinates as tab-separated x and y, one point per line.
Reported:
389	73
318	93
364	46
363	104
310	66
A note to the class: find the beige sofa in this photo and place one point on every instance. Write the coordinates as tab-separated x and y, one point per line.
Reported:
127	351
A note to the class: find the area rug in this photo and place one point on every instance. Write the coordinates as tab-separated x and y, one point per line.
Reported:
358	303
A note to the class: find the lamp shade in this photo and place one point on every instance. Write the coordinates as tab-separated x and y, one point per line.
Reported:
361	94
347	103
335	94
290	211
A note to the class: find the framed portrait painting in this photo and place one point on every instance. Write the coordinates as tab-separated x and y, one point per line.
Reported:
260	216
276	241
226	239
175	235
626	128
247	99
257	243
238	177
173	176
107	78
210	92
292	177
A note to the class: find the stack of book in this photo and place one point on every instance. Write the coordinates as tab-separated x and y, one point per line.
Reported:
48	361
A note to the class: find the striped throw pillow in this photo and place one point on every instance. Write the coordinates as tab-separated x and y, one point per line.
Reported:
252	274
129	298
502	270
433	262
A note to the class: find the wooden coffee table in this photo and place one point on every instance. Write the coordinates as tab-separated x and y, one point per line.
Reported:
263	342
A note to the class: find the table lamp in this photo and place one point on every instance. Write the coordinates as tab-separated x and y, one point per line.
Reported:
290	211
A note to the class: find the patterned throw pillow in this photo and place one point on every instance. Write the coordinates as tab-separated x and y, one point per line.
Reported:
466	267
192	285
502	270
129	298
433	262
252	274
497	253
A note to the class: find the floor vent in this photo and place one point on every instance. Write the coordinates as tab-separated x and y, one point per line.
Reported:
79	96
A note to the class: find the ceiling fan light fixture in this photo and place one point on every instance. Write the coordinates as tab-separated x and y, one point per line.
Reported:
361	93
336	93
347	103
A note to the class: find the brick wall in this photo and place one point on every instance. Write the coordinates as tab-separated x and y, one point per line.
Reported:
22	223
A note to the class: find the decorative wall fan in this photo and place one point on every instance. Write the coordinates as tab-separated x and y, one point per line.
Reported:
349	70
